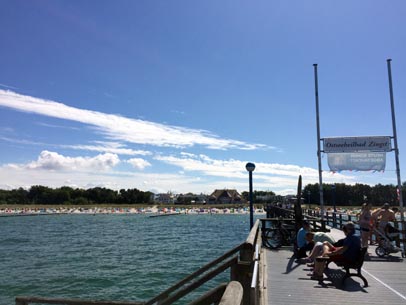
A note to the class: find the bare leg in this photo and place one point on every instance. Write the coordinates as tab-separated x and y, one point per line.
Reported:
319	265
317	251
329	247
364	239
319	268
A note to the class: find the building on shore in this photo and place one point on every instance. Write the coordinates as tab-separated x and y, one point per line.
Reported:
225	196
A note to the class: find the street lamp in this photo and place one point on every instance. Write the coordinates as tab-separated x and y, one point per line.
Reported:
250	168
308	197
333	189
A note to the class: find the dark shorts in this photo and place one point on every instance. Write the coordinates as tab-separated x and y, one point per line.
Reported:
365	229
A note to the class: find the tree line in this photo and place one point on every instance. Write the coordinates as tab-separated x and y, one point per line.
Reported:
66	195
353	195
339	193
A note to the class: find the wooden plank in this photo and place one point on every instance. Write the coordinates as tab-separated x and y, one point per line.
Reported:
288	283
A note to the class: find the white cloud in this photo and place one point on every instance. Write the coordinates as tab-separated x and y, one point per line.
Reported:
52	161
198	173
139	163
124	129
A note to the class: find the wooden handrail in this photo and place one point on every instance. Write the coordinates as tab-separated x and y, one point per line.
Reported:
233	294
213	296
252	236
198	283
194	275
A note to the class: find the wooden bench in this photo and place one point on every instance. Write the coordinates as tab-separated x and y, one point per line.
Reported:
357	265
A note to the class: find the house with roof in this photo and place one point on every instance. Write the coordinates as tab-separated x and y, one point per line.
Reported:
226	196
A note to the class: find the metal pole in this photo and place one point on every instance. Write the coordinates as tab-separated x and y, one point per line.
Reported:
251	202
395	140
318	142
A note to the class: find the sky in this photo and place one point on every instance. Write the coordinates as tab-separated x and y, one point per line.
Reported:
177	96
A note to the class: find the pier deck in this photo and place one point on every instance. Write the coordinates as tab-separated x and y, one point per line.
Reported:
288	283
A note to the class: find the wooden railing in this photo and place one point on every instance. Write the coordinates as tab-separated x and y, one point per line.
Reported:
242	261
337	220
319	223
329	219
288	215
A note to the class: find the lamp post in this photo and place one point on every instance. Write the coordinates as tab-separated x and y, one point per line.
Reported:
308	198
333	189
250	168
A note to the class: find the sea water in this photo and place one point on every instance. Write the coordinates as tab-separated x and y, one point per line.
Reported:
110	257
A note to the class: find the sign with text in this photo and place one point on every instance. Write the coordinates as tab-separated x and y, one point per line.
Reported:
357	144
361	161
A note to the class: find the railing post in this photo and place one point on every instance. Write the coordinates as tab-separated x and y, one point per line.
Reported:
243	271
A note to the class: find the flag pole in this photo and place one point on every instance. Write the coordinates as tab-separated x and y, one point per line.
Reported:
318	142
395	141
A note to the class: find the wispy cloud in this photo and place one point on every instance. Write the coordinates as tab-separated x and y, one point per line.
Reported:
109	147
57	126
231	167
125	129
101	146
20	141
272	174
8	87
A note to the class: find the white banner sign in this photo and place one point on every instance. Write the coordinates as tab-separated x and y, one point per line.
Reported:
357	161
357	144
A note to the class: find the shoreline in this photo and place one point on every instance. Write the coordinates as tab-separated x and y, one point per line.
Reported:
154	210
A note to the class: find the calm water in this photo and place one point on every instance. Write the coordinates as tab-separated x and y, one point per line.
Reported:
117	257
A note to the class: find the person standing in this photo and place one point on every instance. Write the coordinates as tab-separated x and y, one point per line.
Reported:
364	221
383	216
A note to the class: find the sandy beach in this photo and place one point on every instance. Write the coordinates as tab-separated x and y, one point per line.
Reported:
125	210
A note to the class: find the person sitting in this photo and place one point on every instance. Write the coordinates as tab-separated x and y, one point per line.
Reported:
302	245
319	239
347	253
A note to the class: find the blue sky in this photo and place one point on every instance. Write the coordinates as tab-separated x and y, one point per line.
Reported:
179	95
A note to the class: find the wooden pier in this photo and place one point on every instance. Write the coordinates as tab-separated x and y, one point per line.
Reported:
287	282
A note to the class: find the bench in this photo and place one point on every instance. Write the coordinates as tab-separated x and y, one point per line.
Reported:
357	265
